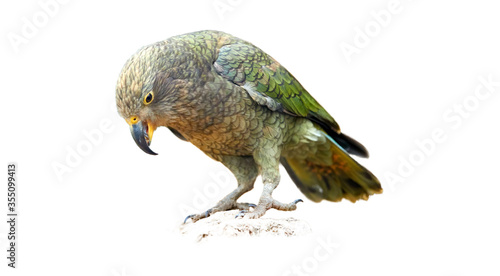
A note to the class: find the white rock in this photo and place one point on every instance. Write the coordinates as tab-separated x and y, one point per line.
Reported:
224	224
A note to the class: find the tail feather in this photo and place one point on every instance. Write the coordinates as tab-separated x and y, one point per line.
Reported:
341	177
350	145
347	143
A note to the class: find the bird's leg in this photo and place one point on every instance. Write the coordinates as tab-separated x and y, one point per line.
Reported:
245	170
266	202
271	179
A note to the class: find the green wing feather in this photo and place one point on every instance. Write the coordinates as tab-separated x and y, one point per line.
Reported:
269	83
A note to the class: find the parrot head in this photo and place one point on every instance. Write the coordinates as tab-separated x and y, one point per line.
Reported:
136	100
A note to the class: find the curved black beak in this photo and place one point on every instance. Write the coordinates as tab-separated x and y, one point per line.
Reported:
141	137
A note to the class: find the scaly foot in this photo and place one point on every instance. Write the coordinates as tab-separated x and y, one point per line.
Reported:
221	206
267	204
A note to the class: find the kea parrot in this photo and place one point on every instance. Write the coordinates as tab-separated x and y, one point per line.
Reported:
242	108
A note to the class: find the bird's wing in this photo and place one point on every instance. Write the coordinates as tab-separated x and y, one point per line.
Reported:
269	83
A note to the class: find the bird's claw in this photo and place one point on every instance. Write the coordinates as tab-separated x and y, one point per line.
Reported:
297	201
188	217
206	214
242	213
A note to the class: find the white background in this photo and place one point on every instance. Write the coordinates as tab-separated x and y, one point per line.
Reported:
117	212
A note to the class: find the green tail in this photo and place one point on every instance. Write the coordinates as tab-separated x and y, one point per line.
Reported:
343	177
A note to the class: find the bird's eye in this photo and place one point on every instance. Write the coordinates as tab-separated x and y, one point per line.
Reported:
149	98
